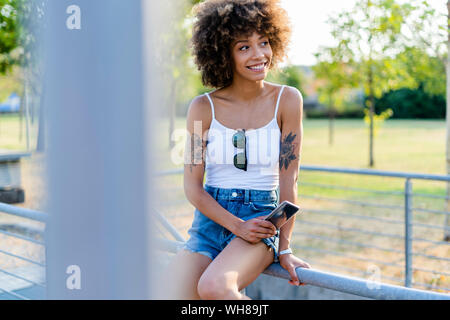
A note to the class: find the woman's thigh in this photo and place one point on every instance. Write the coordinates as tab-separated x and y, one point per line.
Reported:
182	275
239	264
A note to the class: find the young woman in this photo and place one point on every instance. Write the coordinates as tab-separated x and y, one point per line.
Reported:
247	136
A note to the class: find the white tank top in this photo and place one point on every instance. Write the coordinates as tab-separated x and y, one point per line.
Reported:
263	150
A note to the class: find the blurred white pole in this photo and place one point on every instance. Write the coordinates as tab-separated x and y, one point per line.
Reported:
98	237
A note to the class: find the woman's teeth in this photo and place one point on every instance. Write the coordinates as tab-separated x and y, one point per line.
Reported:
258	67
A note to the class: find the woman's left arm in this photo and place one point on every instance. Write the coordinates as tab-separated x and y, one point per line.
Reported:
290	150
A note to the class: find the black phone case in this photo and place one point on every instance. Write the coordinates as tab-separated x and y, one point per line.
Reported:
281	214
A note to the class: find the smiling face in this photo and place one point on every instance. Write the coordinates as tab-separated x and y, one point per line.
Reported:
252	56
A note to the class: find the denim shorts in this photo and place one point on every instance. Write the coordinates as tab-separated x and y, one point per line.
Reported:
209	238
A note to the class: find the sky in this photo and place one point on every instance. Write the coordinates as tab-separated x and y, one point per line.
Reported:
310	29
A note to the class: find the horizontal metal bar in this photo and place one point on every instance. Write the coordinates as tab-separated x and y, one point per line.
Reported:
314	261
335	240
18	236
346	242
24	213
16	295
169	172
430	257
355	202
355	286
430	286
431	226
336	282
380	234
381	173
329	186
22	278
424	195
13	156
431	271
338	254
22	258
351	215
370	172
431	211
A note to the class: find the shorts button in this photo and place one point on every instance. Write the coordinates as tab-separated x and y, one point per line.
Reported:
234	194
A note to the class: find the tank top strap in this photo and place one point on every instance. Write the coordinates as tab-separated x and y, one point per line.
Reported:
278	101
211	103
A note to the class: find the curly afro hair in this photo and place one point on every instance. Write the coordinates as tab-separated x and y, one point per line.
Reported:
219	22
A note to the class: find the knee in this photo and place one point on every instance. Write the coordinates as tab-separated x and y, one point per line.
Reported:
215	288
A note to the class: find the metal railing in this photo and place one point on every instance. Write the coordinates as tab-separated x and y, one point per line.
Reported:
323	279
28	280
405	220
339	282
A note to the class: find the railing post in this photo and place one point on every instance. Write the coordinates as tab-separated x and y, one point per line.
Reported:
99	154
408	233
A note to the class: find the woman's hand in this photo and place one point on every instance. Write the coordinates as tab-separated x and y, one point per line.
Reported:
255	229
290	262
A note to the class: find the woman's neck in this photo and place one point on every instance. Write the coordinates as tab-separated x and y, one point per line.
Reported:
246	90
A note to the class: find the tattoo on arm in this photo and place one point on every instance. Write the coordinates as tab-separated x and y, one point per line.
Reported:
287	150
197	147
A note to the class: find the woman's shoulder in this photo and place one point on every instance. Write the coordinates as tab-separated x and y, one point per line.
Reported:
293	94
289	92
199	108
291	100
290	95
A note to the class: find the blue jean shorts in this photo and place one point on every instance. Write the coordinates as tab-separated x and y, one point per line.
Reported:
209	238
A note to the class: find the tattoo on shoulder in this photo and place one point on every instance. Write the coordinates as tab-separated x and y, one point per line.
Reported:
287	150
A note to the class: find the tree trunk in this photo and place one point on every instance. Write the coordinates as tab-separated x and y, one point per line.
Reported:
447	217
27	109
172	112
330	122
371	112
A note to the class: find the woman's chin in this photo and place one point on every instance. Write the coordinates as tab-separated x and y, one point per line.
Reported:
257	77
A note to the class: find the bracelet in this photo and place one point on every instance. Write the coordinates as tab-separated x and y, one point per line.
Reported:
287	251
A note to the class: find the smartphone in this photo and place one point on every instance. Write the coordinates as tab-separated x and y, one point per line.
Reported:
281	214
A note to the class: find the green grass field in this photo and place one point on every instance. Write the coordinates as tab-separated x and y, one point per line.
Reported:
13	132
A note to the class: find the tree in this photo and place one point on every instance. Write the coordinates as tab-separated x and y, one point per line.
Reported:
21	22
172	43
447	218
337	77
9	35
370	35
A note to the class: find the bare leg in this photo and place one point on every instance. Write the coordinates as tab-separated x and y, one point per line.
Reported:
238	265
182	274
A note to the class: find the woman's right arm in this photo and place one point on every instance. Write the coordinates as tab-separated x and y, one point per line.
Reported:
198	121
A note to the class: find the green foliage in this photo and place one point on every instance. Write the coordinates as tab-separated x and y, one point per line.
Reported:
290	75
409	103
9	36
20	24
415	67
386	45
336	77
378	119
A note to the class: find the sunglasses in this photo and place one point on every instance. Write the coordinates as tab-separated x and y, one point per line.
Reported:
239	142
